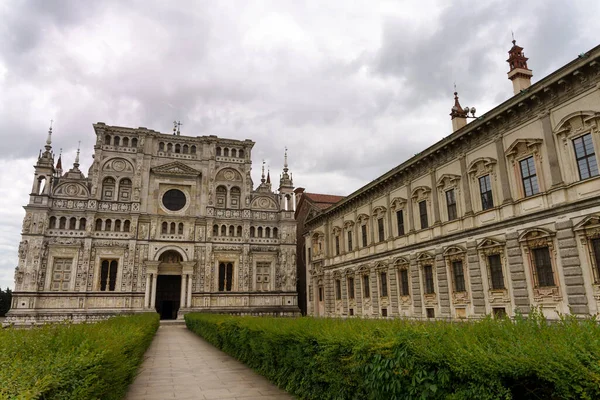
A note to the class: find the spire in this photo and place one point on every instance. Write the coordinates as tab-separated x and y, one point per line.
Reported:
76	163
262	177
269	175
285	181
46	158
519	73
457	113
285	164
49	139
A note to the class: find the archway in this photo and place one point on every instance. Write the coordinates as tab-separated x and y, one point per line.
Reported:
168	285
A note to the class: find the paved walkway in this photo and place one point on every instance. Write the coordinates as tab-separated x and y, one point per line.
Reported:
181	365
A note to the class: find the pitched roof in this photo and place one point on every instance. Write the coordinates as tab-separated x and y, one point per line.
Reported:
323	201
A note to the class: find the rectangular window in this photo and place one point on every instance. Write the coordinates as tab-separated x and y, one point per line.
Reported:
595	245
61	274
380	230
108	275
351	288
404	283
366	289
529	177
320	293
263	275
337	245
383	284
499	312
363	230
225	276
451	204
351	311
423	214
496	274
586	156
400	222
430	312
543	266
338	289
384	312
428	275
309	253
459	276
485	189
349	241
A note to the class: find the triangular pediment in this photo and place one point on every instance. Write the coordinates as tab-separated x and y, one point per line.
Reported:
175	168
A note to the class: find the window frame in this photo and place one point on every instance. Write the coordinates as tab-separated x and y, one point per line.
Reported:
423	217
109	282
451	207
530	177
383	284
586	156
487	196
428	279
366	289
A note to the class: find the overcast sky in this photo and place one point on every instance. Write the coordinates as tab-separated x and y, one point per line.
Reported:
352	88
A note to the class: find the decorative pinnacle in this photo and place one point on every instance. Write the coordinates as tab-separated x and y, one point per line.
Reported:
49	139
285	164
76	163
176	125
263	172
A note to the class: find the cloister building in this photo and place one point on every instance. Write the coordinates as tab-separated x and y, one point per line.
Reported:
162	222
500	216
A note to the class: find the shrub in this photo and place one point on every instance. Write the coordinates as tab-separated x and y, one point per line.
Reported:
74	361
400	359
5	301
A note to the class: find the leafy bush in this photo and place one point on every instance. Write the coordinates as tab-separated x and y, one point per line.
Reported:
5	300
74	361
400	359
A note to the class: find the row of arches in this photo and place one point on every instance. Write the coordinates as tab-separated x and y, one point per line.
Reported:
171	228
227	152
224	230
111	225
177	148
119	141
110	189
266	232
64	223
234	194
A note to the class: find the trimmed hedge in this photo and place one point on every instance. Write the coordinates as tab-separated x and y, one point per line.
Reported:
74	361
400	359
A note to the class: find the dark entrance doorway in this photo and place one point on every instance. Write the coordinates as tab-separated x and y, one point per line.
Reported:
168	292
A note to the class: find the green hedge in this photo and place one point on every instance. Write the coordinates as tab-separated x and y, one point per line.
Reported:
74	361
399	359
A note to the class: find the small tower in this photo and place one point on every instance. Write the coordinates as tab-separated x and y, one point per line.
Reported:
519	74
44	170
286	186
458	114
58	171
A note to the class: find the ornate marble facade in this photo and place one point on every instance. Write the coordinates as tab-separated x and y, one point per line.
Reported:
500	216
162	222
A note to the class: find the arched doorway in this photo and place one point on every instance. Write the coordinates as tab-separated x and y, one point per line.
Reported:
168	285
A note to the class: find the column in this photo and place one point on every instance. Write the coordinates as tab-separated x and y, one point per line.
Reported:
189	291
435	199
182	294
503	171
147	293
464	176
550	145
153	300
409	209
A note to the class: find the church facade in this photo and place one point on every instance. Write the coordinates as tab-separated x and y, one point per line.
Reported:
500	216
163	222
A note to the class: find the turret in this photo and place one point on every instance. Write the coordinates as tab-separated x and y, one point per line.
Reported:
519	74
44	171
286	186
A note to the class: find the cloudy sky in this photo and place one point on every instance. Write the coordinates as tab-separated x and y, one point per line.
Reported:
352	88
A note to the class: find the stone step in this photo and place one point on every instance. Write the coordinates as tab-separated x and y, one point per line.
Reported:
172	322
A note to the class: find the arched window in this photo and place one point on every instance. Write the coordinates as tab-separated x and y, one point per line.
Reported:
260	231
225	277
252	232
233	153
180	229
72	223
218	151
41	186
82	223
134	142
52	224
161	146
186	149
235	197
193	149
177	148
170	256
275	233
117	141
239	231
108	225
125	142
169	147
231	230
223	230
107	140
125	189
108	188
172	230
108	275
221	196
226	152
126	225
118	225
241	154
98	226
267	232
165	228
215	230
63	223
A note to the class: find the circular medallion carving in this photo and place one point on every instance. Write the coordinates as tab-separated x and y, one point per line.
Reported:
71	190
229	175
174	200
118	165
263	203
